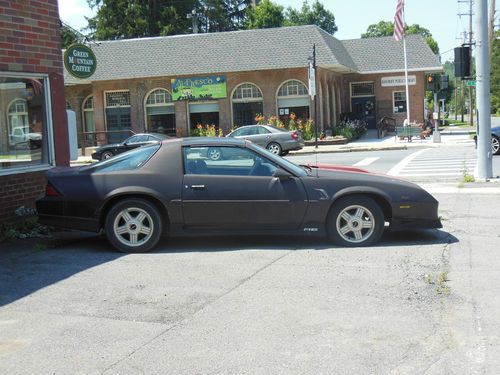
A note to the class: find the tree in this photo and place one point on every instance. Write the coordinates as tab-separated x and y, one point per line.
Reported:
69	36
265	15
385	28
315	15
495	75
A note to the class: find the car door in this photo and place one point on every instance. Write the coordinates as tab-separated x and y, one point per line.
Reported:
260	136
238	191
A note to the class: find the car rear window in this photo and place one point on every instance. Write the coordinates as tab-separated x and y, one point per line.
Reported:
127	161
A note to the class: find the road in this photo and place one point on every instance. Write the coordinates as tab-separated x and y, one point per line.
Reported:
442	164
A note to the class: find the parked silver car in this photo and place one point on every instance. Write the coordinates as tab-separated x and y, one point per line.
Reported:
277	141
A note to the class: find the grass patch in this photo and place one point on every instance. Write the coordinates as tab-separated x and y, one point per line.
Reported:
466	176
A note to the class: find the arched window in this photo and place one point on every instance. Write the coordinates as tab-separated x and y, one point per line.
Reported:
18	114
88	114
160	112
293	97
247	103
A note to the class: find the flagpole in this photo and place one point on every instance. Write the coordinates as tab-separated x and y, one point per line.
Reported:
406	73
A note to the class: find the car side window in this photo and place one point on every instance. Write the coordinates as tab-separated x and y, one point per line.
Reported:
127	161
138	139
231	161
262	130
241	132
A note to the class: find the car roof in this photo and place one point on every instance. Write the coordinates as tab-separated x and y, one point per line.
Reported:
212	141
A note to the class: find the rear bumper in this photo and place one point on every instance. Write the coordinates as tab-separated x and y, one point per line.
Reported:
292	145
79	223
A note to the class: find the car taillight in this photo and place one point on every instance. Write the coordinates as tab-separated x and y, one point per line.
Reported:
295	135
50	191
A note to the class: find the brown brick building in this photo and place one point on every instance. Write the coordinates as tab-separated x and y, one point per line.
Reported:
137	83
33	129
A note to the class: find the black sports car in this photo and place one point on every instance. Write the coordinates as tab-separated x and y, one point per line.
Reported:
137	140
173	188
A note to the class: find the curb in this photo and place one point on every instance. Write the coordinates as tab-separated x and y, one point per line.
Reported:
351	149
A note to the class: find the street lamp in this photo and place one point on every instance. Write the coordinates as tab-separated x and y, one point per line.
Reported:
312	90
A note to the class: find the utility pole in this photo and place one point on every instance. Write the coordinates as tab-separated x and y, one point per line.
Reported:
491	25
456	104
312	91
471	102
484	155
194	16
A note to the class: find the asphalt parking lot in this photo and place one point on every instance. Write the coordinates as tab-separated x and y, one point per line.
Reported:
268	305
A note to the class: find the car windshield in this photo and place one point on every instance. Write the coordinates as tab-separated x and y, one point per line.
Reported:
274	129
294	168
132	159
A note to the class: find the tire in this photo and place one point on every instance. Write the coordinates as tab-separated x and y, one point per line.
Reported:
343	221
274	148
106	155
495	145
133	226
214	153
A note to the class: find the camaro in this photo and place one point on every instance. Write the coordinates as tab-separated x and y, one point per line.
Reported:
173	188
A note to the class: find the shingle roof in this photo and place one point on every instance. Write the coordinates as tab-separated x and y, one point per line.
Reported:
237	51
386	54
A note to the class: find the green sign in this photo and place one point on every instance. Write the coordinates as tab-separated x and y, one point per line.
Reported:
80	61
471	83
199	88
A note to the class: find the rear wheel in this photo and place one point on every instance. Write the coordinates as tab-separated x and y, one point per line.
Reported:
495	145
133	226
355	221
274	148
214	153
106	155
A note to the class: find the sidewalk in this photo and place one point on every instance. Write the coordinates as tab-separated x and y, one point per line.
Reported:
370	142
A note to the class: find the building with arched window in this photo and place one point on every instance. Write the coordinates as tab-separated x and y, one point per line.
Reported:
235	76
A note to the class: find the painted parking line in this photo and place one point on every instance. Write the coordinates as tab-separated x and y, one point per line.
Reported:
366	161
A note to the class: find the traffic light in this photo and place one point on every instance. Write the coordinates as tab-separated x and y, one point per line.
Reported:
431	82
444	82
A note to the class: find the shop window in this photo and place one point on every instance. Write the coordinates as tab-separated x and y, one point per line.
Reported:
160	112
362	89
118	120
247	103
399	101
203	114
293	97
24	129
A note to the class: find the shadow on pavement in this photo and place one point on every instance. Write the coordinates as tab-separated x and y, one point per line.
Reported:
27	265
24	269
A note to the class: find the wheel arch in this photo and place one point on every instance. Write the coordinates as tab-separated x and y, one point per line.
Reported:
147	197
378	196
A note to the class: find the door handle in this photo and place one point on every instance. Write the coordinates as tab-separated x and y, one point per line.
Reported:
197	187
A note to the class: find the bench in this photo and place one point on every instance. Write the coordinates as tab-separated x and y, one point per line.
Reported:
408	132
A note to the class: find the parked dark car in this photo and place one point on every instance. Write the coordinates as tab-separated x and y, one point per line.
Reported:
137	140
276	140
173	188
495	140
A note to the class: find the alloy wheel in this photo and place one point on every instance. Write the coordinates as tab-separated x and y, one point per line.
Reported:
133	226
495	145
355	224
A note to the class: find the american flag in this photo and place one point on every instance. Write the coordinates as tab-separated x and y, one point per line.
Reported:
399	25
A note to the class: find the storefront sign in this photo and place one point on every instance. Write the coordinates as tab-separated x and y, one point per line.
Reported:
397	81
117	99
199	88
80	61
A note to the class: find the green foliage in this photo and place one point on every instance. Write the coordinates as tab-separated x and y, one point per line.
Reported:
68	37
386	28
265	15
311	15
495	74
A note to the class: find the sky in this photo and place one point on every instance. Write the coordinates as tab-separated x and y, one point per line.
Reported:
352	17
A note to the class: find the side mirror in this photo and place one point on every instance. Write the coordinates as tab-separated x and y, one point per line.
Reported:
282	175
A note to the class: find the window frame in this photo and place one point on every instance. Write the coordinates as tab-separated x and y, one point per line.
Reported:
48	156
351	84
399	100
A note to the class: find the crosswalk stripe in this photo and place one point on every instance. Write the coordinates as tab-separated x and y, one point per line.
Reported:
366	161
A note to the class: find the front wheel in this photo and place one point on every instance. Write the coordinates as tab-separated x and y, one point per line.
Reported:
495	146
355	221
133	226
274	148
